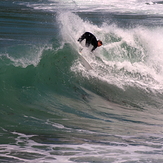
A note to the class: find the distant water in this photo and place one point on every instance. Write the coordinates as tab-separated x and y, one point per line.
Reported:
52	110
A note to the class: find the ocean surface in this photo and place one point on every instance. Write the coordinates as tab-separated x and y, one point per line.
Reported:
54	110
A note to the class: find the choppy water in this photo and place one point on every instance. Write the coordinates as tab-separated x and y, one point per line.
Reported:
53	110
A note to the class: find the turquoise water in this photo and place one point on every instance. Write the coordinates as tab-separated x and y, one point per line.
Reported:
54	110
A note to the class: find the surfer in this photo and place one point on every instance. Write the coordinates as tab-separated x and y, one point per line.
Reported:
90	39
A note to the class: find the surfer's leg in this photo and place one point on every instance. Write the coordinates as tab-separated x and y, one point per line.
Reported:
87	43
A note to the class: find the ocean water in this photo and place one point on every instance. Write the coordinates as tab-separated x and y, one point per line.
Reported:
53	110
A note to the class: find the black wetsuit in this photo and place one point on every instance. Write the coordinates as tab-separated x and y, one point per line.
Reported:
90	39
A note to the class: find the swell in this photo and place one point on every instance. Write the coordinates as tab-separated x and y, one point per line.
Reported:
47	81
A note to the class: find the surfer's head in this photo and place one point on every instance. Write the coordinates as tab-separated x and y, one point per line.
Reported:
99	43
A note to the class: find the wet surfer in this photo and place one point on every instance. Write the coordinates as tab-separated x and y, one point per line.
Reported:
90	39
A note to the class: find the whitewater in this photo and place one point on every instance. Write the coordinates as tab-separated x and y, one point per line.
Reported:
54	110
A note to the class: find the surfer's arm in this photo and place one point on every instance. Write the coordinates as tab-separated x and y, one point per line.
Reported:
94	47
84	36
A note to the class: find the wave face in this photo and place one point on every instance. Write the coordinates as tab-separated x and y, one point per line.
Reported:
53	109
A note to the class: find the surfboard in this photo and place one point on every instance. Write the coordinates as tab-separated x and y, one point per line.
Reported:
84	62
